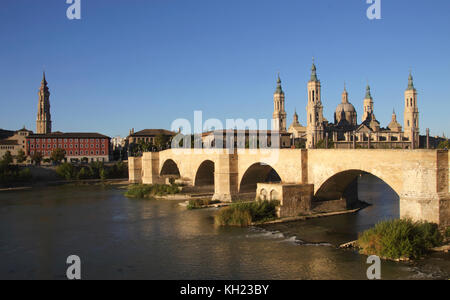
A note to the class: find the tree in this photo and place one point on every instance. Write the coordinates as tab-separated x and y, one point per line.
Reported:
21	157
444	144
300	144
58	155
321	144
7	158
161	141
36	158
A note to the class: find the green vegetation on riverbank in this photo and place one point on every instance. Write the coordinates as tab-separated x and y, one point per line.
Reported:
150	190
244	214
200	203
95	170
400	239
10	173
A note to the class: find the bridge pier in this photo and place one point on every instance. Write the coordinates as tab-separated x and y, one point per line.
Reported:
134	169
432	208
150	163
226	178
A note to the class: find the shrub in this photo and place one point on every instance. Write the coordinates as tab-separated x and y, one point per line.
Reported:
83	174
24	174
199	203
400	238
66	170
447	232
230	216
146	190
243	214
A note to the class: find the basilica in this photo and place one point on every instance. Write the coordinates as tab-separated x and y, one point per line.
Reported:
345	132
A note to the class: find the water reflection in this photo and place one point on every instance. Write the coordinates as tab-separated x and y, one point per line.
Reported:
120	238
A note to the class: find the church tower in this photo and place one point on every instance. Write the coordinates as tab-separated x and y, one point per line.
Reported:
279	114
44	121
314	111
368	104
411	114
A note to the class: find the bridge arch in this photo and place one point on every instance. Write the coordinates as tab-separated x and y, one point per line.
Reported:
170	169
257	173
343	185
205	174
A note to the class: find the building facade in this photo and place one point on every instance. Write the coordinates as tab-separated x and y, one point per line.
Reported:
14	141
345	132
148	135
88	147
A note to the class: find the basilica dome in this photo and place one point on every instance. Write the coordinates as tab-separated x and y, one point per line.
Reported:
345	111
345	107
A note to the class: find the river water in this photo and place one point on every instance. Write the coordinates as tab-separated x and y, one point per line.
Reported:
120	238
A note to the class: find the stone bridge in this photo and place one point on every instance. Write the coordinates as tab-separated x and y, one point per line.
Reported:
419	177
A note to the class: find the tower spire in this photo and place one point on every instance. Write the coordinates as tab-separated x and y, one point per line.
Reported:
44	81
410	82
279	88
313	71
368	94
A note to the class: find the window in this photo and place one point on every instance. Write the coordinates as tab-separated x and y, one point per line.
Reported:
96	152
92	152
70	152
54	140
81	145
103	152
81	152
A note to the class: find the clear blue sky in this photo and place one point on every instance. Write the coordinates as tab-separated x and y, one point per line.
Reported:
142	64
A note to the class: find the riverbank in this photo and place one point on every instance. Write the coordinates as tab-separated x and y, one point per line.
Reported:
39	184
306	217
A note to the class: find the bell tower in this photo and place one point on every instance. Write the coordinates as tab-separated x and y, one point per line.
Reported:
314	110
279	113
411	114
368	104
44	121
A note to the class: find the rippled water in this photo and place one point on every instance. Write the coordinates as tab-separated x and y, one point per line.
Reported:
120	238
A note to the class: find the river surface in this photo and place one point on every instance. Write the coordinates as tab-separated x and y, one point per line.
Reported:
120	238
